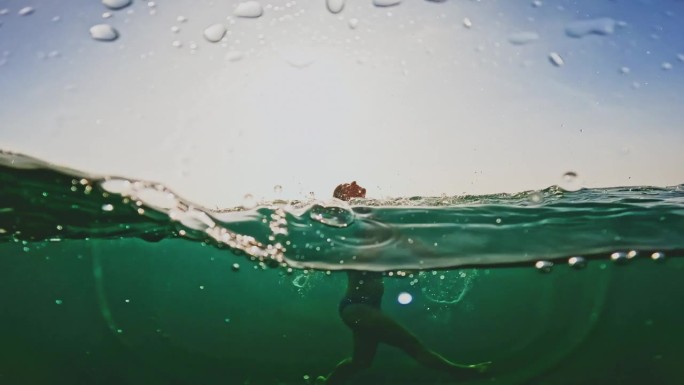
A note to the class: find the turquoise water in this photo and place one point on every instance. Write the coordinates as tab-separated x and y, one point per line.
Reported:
114	281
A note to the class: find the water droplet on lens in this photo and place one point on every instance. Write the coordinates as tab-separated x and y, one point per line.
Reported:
544	266
248	201
116	4
577	262
581	28
25	11
386	3
107	207
103	32
522	38
249	9
215	33
332	216
334	6
658	256
570	181
556	59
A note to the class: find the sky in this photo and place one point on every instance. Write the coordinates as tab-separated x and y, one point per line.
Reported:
421	98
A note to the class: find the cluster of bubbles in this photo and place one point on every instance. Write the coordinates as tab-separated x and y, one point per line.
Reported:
618	258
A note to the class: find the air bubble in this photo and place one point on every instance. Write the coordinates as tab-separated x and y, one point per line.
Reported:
619	257
58	301
25	11
556	59
522	38
278	189
536	197
332	215
666	66
107	207
334	6
658	256
103	32
235	267
570	181
116	4
386	3
404	298
537	3
249	9
215	32
577	262
544	266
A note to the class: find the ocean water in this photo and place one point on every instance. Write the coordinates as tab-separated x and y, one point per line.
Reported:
109	280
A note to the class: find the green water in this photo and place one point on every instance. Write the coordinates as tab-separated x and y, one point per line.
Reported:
113	281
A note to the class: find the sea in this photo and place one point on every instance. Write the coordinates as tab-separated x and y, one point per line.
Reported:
111	280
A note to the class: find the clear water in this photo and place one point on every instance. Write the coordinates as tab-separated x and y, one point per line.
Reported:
111	280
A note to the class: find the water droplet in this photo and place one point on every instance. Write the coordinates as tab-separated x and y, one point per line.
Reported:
658	256
215	32
521	38
116	4
353	23
58	301
556	59
581	28
103	32
26	11
175	29
181	19
666	66
570	181
386	3
106	15
151	4
201	287
119	331
577	262
248	201
117	186
235	267
127	300
233	56
332	215
107	207
498	220
536	197
226	320
619	257
544	266
624	70
278	189
4	11
334	6
177	43
537	3
248	9
404	298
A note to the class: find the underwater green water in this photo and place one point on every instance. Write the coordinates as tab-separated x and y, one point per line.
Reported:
114	281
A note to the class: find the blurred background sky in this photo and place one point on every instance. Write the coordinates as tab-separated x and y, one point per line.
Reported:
420	98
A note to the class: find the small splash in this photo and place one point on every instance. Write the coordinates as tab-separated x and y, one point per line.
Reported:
522	38
556	59
103	32
26	11
581	28
251	9
386	3
215	32
334	6
116	4
334	216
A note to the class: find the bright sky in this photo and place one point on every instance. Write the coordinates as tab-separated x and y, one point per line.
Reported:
409	102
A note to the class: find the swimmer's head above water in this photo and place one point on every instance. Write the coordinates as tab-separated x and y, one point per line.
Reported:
347	191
